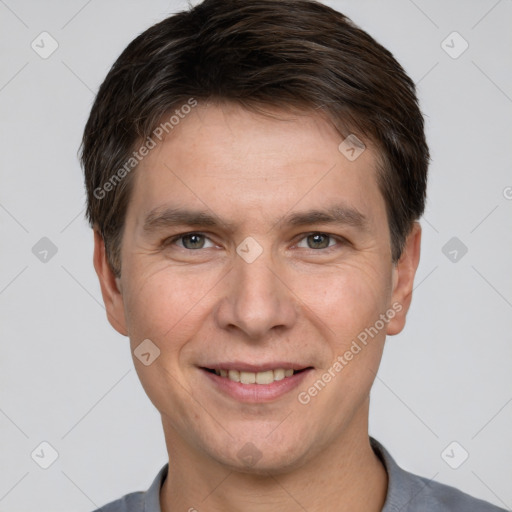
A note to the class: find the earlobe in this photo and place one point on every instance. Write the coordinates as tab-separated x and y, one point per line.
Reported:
403	279
110	286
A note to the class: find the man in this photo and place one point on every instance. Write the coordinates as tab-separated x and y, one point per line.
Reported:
255	175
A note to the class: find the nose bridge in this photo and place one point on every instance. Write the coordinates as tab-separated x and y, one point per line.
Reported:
257	300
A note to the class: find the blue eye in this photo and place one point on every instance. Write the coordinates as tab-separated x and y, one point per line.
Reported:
190	241
317	241
195	241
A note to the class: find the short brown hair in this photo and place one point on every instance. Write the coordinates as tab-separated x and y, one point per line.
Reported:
277	53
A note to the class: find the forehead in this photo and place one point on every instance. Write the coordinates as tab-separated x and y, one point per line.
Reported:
227	159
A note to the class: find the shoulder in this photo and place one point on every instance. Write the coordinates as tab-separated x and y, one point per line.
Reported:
133	502
140	501
408	492
439	497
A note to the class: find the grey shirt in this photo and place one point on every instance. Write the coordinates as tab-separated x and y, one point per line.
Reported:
406	493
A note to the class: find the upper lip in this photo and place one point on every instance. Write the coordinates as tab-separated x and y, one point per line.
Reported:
255	368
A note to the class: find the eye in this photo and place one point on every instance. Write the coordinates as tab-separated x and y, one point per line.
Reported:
317	241
190	241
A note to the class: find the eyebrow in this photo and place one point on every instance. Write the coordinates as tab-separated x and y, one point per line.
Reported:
160	218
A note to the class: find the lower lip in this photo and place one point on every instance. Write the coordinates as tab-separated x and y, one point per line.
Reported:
257	393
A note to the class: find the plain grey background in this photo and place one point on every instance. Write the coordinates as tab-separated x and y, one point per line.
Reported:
67	378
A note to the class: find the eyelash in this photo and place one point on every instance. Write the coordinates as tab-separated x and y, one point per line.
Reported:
340	240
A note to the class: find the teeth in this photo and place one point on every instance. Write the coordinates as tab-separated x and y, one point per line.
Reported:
248	378
234	375
279	374
266	377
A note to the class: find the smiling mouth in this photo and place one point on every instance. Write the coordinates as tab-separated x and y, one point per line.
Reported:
265	377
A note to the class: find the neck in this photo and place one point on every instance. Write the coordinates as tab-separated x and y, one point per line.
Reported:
347	476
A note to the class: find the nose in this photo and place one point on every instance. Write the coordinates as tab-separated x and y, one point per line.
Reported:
257	300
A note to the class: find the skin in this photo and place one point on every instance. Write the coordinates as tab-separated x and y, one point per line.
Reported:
300	300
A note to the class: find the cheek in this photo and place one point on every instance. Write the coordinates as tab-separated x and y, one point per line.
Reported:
165	304
348	298
166	308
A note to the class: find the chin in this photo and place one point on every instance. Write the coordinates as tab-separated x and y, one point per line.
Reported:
261	457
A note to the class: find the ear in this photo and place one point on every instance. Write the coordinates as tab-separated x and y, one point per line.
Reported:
110	286
403	280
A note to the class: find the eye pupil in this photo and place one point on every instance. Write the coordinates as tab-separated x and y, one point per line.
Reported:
196	239
318	239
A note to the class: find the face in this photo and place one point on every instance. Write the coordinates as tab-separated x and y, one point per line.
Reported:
252	248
